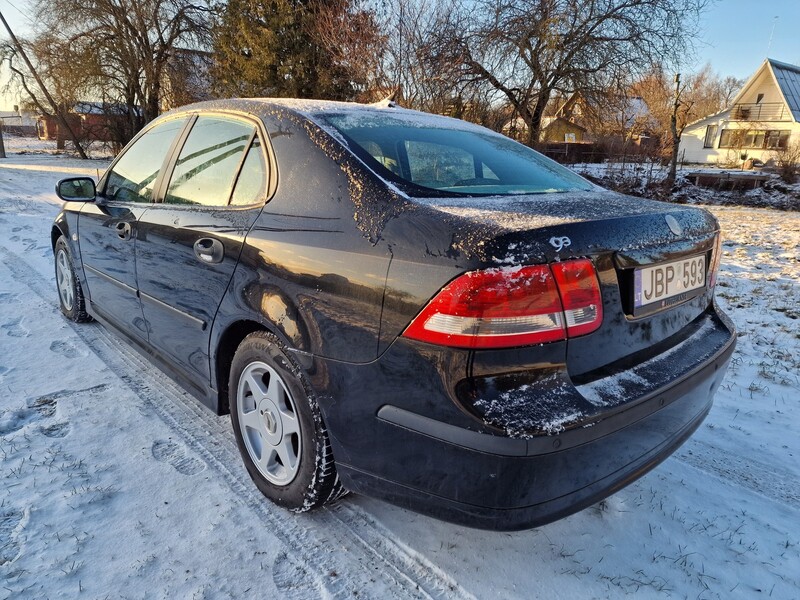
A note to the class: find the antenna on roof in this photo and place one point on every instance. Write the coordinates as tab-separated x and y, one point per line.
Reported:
391	100
774	22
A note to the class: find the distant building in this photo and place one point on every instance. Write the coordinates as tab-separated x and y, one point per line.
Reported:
560	129
19	122
763	118
91	121
582	118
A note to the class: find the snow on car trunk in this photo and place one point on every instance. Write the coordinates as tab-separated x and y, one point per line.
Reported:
626	238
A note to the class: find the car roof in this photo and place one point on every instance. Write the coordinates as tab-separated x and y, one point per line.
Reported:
316	109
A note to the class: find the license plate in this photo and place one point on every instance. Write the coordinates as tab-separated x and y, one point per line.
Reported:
669	283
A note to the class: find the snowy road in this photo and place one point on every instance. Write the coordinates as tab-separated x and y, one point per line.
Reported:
117	483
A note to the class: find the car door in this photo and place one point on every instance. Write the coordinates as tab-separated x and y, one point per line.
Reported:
190	240
108	226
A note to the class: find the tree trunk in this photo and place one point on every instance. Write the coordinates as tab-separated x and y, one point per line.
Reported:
535	126
676	136
59	115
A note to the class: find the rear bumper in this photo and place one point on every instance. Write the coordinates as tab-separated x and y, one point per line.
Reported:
506	482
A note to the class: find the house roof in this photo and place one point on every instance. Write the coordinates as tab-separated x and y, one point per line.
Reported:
787	78
625	110
548	121
703	120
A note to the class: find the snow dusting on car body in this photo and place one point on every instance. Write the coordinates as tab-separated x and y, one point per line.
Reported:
402	305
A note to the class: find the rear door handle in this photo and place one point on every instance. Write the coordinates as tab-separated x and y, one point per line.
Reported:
123	230
209	250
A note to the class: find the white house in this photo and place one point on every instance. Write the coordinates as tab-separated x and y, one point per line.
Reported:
763	118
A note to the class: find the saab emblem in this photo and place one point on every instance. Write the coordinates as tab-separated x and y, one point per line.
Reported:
673	225
559	243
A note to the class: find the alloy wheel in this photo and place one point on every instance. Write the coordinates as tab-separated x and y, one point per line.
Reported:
66	289
269	423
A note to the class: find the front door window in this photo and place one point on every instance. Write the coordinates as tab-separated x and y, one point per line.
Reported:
134	175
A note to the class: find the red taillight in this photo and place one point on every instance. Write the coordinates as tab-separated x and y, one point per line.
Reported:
580	295
519	306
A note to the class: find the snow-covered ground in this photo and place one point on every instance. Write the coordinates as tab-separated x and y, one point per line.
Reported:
645	179
115	483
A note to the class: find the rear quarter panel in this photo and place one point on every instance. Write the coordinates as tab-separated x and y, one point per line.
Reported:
313	268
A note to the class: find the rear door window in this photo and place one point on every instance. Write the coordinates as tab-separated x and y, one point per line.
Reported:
251	185
134	175
209	161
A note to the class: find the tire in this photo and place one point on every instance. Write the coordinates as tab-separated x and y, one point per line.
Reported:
279	428
70	292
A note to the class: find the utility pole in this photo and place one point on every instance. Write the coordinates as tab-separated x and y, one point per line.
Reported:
673	127
59	115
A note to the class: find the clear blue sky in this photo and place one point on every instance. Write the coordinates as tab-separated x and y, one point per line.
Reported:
735	34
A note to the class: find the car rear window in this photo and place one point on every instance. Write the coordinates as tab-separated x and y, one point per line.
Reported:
437	156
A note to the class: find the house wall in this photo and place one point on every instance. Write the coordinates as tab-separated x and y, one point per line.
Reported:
693	138
763	84
90	127
557	130
692	148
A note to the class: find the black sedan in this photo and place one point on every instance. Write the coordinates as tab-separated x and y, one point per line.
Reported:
403	305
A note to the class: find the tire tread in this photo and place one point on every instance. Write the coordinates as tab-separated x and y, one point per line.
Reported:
324	486
78	313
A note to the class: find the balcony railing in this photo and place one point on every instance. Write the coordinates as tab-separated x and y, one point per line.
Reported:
764	111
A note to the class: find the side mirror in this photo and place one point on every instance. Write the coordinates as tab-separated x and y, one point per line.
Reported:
76	189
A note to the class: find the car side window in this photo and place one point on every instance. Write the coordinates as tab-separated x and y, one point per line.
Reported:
209	161
134	175
251	186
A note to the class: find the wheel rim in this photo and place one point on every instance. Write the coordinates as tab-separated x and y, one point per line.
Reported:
269	423
64	279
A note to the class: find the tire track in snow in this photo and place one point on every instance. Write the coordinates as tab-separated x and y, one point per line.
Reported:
762	479
347	553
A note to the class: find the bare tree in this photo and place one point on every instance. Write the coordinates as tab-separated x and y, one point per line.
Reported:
787	161
127	43
674	105
528	50
410	26
36	82
728	88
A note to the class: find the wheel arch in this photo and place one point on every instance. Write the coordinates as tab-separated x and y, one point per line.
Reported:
55	233
229	341
64	223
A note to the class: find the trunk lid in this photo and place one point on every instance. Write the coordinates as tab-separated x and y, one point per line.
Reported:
621	235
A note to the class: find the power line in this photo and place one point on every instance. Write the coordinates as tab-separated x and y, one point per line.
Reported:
59	114
14	6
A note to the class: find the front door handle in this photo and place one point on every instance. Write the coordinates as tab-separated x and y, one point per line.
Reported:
123	230
209	250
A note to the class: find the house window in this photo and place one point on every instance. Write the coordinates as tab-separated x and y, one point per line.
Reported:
730	138
711	133
778	139
755	139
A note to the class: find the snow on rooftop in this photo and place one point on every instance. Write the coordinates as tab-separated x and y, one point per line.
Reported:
414	118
